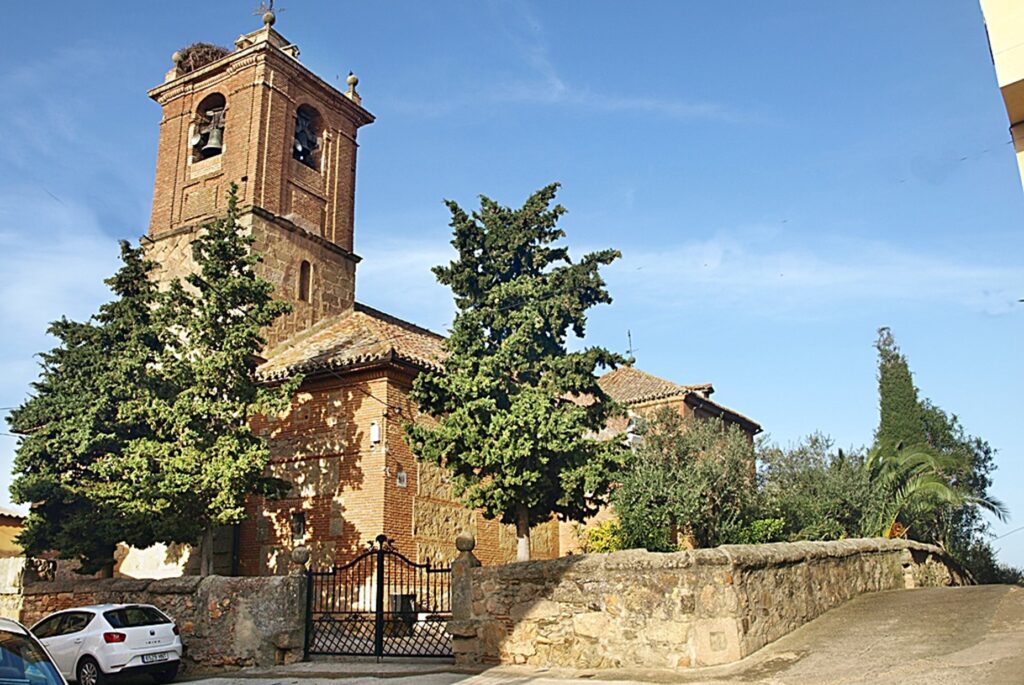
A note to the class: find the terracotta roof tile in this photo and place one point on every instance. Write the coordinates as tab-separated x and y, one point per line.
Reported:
629	385
363	335
366	335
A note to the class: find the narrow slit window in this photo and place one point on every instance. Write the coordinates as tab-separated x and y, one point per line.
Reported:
305	281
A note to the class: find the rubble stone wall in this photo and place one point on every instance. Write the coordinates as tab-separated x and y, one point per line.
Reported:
224	622
695	608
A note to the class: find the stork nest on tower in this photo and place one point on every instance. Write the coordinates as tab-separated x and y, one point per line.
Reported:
198	55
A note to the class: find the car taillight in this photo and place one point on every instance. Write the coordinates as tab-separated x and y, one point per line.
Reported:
176	631
114	637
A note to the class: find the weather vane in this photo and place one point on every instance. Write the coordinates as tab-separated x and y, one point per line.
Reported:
266	10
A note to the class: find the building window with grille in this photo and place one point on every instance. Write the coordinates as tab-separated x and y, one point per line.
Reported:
305	281
298	525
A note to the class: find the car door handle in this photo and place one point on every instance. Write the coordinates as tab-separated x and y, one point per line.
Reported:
78	641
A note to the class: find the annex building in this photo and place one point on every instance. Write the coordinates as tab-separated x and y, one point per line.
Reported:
255	116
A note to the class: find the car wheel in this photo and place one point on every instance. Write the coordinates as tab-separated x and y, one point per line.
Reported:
166	675
89	673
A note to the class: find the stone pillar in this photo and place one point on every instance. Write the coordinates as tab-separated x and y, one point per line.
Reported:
462	627
299	558
462	583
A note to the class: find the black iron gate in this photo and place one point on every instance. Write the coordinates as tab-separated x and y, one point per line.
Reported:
379	604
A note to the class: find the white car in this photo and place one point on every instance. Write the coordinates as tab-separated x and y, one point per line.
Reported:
22	659
91	643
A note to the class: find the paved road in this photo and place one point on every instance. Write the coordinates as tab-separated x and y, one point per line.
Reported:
933	636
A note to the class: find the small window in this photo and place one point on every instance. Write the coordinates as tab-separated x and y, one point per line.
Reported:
134	617
76	622
305	280
208	128
298	525
48	627
306	146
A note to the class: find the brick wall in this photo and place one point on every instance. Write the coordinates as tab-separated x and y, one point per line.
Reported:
351	489
295	212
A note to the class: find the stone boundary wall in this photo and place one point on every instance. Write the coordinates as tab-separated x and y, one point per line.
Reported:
224	622
695	608
11	572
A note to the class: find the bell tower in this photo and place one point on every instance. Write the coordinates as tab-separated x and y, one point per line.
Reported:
257	117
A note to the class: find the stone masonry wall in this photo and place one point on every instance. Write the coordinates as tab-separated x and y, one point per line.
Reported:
224	622
694	608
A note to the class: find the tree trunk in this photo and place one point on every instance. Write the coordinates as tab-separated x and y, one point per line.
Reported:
206	554
522	534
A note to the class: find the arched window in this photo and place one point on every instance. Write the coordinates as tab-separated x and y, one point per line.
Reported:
306	146
208	128
305	280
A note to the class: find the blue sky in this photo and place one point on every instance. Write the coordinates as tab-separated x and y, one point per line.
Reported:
782	179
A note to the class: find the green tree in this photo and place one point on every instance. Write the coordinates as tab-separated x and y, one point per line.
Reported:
194	469
83	411
821	493
694	477
511	427
900	421
934	476
913	486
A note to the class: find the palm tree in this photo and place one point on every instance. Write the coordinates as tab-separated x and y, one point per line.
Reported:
912	485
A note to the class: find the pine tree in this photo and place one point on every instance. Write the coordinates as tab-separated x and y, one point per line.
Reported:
901	420
507	428
83	413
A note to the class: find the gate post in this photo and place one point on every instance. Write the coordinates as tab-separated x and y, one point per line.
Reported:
462	585
378	633
300	558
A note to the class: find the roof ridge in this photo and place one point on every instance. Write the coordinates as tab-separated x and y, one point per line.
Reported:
390	318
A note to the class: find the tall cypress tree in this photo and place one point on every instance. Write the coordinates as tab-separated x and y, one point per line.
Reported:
201	460
507	428
901	419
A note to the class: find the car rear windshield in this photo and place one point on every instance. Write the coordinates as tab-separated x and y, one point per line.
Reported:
133	617
23	662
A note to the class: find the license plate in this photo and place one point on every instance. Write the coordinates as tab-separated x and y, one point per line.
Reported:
153	658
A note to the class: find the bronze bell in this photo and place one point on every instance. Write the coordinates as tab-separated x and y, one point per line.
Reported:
214	142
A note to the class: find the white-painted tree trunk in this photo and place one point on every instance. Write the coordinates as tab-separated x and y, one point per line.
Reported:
522	534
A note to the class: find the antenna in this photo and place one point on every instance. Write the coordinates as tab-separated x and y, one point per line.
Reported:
630	351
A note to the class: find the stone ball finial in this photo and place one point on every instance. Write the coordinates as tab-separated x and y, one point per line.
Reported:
465	542
352	80
300	555
177	57
269	18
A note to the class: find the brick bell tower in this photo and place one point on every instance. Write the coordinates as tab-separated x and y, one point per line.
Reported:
257	117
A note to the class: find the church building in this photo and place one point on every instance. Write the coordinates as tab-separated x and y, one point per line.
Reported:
256	117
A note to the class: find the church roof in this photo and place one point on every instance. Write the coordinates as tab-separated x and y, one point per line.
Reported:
361	336
366	335
629	385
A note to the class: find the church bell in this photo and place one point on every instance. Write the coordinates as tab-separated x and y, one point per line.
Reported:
214	143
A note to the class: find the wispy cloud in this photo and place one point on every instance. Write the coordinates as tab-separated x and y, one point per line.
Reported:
396	276
543	84
750	271
754	271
